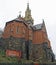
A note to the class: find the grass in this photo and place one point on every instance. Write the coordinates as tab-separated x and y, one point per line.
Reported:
5	59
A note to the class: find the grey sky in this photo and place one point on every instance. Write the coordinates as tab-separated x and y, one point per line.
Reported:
41	9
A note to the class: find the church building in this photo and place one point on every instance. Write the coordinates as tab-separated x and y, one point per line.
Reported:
24	40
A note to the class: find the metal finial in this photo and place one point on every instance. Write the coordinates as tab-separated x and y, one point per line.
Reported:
19	13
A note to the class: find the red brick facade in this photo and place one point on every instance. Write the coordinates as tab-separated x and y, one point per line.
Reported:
18	30
25	40
21	30
15	29
39	37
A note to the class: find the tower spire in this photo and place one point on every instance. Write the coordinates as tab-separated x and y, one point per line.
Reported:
28	5
28	18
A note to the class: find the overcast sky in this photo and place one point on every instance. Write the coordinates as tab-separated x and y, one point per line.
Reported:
40	9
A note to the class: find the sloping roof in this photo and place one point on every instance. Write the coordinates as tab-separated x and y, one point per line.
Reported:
37	27
18	19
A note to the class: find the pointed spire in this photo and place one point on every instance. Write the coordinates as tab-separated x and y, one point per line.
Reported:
44	27
28	6
28	16
43	22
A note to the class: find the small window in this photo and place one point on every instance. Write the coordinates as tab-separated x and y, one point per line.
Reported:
17	30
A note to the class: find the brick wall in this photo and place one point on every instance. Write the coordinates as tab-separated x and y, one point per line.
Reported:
38	37
15	29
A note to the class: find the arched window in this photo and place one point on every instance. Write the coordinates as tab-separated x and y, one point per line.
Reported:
17	30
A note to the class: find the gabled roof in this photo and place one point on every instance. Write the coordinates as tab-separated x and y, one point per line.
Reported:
18	19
